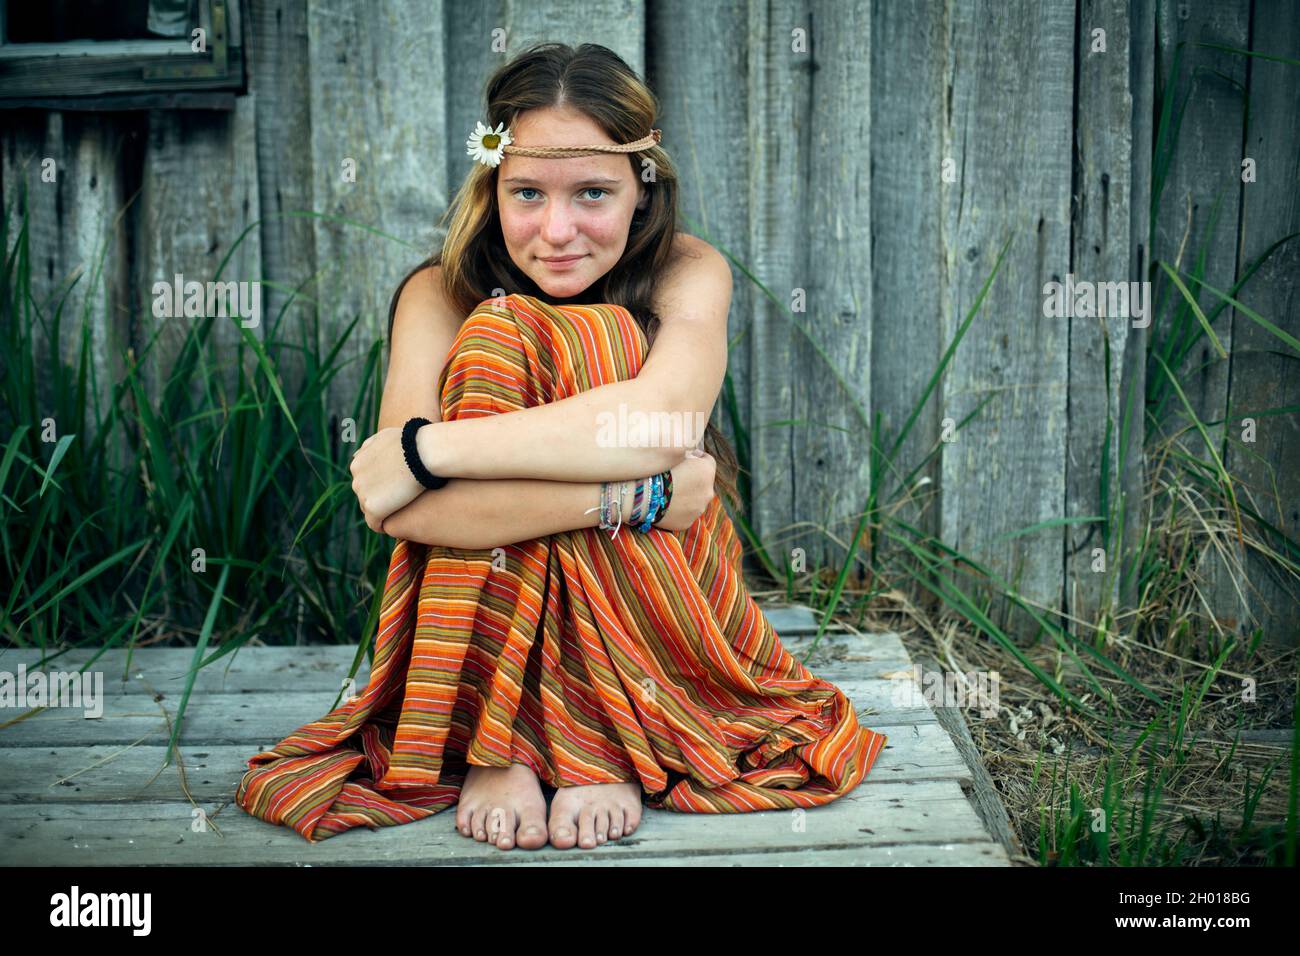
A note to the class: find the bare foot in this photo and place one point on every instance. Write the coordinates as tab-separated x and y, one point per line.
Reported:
592	813
502	805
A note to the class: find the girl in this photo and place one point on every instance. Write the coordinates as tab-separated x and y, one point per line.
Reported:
564	607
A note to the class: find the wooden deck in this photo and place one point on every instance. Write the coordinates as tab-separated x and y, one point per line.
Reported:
92	792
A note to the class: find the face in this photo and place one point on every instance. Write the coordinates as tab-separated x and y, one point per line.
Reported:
555	208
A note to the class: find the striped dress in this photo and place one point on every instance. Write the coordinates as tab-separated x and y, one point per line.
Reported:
588	657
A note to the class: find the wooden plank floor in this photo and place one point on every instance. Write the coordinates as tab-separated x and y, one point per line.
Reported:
93	791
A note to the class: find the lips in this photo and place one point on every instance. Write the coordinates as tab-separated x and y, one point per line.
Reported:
561	260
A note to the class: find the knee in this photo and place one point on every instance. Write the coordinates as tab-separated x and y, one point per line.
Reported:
583	346
491	367
517	351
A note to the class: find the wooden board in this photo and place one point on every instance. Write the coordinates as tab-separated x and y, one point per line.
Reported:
701	87
1197	222
378	127
907	68
1004	471
279	75
77	244
1102	253
80	791
199	192
1264	371
149	833
832	373
778	86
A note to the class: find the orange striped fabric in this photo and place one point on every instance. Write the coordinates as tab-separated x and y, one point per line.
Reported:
589	658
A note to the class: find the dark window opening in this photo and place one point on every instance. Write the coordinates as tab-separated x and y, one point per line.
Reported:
58	21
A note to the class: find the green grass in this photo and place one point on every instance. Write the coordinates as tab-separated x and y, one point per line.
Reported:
1126	817
219	511
211	514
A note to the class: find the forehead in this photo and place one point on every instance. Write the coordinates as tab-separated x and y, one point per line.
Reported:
522	170
561	127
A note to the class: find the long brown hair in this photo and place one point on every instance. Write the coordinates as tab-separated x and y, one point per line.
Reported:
475	263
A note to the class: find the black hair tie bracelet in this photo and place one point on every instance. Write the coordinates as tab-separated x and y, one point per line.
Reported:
422	474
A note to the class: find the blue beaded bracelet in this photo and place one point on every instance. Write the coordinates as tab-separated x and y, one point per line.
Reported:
656	499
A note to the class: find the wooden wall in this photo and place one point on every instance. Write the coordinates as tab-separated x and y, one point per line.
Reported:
813	140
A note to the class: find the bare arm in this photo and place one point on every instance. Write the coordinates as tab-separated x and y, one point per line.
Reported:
470	513
465	513
559	441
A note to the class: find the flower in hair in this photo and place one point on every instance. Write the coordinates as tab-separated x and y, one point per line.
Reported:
487	145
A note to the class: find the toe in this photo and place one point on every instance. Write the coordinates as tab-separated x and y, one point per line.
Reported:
500	826
476	823
564	829
586	827
464	816
602	824
532	829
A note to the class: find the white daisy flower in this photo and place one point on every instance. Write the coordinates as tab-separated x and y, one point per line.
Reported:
486	144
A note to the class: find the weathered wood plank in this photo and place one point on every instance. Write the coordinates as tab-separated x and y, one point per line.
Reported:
1203	184
378	124
1102	256
164	669
279	74
133	834
198	194
108	773
1005	470
1196	230
830	461
261	719
907	69
1132	491
702	90
987	802
77	248
778	88
323	668
909	854
1263	369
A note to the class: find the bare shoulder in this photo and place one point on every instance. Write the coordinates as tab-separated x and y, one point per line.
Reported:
425	327
694	257
423	297
697	283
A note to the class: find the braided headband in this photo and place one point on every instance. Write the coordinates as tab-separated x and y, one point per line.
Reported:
488	146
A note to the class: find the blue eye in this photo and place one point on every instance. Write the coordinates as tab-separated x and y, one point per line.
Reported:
589	189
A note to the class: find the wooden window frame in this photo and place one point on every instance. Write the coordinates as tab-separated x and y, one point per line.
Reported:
129	74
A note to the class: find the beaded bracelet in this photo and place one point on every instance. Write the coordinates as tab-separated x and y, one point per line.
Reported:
668	496
648	495
610	507
656	502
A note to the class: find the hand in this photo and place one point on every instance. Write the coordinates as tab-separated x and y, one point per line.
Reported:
381	479
692	490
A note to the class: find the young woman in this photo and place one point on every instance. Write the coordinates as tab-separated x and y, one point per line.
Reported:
564	607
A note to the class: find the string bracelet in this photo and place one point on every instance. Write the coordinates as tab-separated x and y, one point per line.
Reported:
668	496
655	503
650	499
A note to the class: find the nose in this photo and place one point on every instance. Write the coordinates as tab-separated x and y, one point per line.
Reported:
557	226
